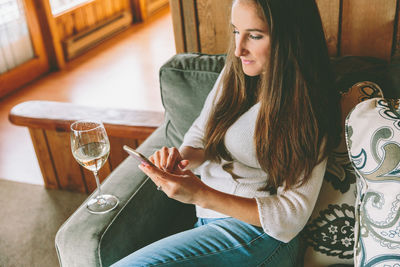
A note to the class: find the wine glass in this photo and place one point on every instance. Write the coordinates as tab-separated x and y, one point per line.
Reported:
90	147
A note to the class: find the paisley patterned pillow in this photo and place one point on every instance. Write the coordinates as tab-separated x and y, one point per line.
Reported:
373	141
329	234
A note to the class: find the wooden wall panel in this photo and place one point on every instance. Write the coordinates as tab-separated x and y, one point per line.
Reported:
352	27
88	12
330	14
87	15
213	29
117	6
99	11
190	25
79	20
396	43
69	27
177	23
213	24
109	7
367	28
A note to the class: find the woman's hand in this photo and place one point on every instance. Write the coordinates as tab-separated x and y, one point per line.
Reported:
182	185
169	159
188	188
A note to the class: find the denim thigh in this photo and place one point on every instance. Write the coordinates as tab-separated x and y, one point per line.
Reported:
216	242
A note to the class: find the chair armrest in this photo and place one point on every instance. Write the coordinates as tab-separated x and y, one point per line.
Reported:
144	215
58	116
49	127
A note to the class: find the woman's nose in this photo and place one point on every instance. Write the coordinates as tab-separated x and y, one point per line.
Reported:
240	49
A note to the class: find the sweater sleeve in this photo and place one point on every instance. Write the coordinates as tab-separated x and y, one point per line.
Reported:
195	135
285	214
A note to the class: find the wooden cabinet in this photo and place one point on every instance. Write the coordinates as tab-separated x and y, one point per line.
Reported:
352	27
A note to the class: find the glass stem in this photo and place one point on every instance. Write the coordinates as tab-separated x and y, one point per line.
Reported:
98	184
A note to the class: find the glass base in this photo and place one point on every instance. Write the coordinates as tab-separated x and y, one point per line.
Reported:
102	204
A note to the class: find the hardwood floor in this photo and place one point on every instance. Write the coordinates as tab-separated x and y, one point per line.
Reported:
121	72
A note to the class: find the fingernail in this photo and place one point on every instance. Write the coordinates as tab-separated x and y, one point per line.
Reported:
143	166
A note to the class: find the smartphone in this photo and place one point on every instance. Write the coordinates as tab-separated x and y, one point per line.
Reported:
140	157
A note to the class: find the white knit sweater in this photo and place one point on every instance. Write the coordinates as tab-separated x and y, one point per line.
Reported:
282	215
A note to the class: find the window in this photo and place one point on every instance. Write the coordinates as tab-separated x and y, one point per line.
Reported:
59	6
15	41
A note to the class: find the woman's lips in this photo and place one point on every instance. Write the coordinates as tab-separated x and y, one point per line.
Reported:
246	61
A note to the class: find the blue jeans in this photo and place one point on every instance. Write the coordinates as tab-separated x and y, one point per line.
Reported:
217	242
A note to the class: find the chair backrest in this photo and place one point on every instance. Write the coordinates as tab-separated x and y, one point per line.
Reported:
185	81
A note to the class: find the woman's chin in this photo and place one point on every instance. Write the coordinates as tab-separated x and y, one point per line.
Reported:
251	70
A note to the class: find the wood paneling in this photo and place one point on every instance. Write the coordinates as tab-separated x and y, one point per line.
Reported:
352	27
330	13
214	29
368	27
396	43
87	15
99	11
190	24
177	21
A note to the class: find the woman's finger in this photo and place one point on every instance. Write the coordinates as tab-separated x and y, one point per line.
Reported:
157	158
174	156
155	178
151	158
163	157
158	174
183	163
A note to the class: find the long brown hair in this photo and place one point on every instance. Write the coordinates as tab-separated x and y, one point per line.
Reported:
299	106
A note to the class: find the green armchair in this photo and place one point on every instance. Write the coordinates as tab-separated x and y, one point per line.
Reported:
145	214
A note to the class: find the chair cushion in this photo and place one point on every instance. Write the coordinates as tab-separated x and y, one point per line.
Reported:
185	81
329	234
374	149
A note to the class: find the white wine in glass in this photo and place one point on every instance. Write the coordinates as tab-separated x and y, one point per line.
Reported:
90	147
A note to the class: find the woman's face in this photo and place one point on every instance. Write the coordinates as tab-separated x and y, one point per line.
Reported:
251	38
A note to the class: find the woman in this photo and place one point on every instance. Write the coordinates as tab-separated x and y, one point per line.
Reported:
260	144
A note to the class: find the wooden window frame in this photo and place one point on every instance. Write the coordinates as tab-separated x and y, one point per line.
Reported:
30	70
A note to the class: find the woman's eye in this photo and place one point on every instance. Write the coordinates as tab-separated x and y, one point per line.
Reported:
235	32
255	37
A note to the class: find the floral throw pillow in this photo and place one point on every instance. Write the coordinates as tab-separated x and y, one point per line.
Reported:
329	235
373	141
